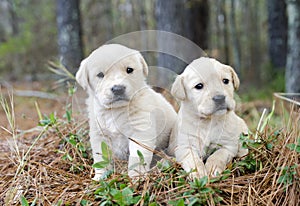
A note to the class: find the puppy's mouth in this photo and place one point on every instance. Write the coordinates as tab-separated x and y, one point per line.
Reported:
218	110
119	98
221	108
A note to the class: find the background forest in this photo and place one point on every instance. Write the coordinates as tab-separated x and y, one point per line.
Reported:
45	155
252	36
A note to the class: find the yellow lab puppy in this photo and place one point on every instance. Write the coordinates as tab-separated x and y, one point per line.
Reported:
122	106
206	136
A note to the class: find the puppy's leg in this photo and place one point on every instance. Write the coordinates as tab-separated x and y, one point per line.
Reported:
144	133
96	139
139	165
216	163
190	160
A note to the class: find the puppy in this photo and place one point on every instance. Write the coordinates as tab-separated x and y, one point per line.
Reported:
207	129
121	106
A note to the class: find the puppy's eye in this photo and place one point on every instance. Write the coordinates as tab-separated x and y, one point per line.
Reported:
199	86
100	75
129	70
226	81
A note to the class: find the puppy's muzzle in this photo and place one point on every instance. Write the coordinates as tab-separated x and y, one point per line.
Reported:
118	90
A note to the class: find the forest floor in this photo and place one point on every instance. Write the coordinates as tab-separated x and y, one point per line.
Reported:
45	159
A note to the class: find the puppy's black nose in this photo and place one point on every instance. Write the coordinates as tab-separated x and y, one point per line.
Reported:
219	99
118	89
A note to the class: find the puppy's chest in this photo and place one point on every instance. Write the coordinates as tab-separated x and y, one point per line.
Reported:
213	135
114	124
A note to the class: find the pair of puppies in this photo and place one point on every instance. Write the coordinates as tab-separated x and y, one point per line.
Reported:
128	115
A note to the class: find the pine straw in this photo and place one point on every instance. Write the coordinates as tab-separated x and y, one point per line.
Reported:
52	179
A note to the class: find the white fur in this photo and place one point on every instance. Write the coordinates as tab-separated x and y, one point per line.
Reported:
205	130
141	113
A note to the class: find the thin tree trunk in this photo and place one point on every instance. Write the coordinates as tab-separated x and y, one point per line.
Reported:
225	33
169	16
196	23
277	22
69	33
236	49
293	56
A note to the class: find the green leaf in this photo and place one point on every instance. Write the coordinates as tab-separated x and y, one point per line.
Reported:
117	196
294	147
69	115
203	181
24	202
177	203
84	202
100	165
141	156
127	196
193	202
67	156
269	146
207	190
106	152
72	141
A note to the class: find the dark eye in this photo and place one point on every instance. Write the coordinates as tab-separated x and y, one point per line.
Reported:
100	75
129	70
226	81
199	86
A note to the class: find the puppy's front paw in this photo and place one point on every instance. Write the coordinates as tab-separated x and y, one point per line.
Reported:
134	174
201	172
99	174
213	169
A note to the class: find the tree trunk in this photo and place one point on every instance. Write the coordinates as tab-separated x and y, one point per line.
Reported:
69	33
225	33
293	55
236	49
197	18
188	18
277	22
169	16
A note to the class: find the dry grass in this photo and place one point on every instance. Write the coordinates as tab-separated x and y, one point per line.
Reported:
52	166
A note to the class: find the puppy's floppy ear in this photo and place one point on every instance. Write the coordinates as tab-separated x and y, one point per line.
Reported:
82	75
178	90
235	78
144	65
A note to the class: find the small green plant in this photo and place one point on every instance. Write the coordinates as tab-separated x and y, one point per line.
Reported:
106	156
116	192
77	149
141	162
199	193
49	121
295	146
288	174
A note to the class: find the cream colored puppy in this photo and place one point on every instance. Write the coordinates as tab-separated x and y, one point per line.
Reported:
207	129
122	106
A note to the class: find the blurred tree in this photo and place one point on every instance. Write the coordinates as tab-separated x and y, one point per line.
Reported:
8	23
277	22
196	23
224	27
293	55
69	33
219	41
188	18
236	49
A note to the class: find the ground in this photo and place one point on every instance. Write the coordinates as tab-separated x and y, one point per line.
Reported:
57	168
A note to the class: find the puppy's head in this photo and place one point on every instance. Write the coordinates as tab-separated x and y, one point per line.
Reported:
113	73
208	86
